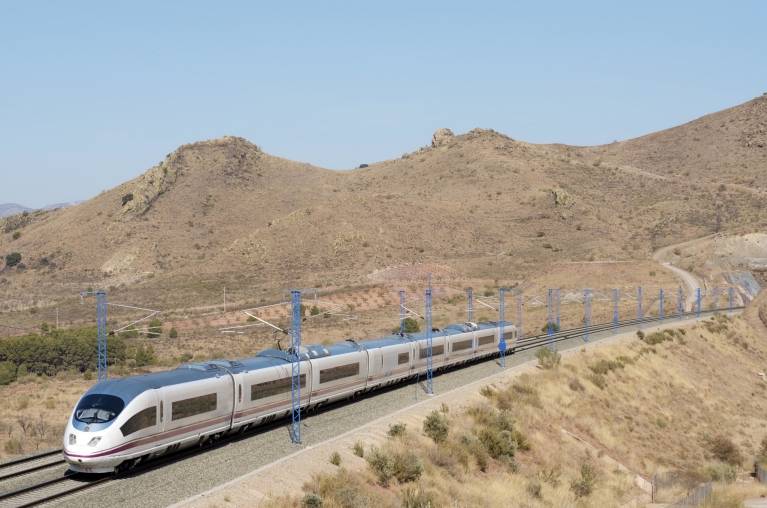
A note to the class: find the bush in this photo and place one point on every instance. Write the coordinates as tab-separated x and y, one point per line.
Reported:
584	485
408	467
640	335
724	450
311	501
154	328
16	235
127	198
498	443
655	338
598	380
382	465
547	358
335	459
315	311
88	375
22	371
554	327
173	333
358	449
720	473
661	422
7	372
145	356
535	489
397	430
436	426
575	385
12	447
12	259
415	497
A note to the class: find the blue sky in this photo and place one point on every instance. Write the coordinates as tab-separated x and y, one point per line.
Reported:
93	94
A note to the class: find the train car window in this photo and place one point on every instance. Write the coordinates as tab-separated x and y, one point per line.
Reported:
403	358
508	336
274	387
162	412
141	420
435	350
343	371
98	408
194	406
464	344
239	393
483	341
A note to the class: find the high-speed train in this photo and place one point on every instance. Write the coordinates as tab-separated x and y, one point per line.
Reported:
119	423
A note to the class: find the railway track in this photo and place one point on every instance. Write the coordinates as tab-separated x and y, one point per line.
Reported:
72	482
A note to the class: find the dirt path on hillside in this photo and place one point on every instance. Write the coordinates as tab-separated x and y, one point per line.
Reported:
692	282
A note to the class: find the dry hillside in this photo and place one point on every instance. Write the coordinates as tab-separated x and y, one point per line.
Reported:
480	205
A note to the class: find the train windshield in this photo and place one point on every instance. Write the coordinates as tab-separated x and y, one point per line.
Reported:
98	408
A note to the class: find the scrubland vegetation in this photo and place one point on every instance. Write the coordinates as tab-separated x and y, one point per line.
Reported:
685	400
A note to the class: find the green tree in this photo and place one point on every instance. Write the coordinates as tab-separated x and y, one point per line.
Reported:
7	372
16	235
126	198
154	328
22	371
145	356
411	326
12	259
315	310
173	333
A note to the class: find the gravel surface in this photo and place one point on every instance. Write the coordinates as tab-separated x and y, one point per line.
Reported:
176	481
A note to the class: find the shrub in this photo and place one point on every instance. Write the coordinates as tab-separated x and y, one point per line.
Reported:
584	485
475	448
504	420
655	338
724	450
88	375
382	465
311	500
411	326
315	311
547	358
358	449
173	333
408	467
127	198
154	328
7	372
397	430
498	443
22	403
12	259
335	459
578	227
598	380
640	335
13	447
486	391
677	251
436	426
535	489
720	473
16	235
554	327
22	371
575	385
145	356
661	422
540	234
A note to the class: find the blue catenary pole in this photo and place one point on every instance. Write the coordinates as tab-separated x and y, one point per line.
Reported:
587	320
402	311
502	330
559	327
471	305
295	364
429	374
101	306
661	306
730	299
698	302
551	323
639	306
615	311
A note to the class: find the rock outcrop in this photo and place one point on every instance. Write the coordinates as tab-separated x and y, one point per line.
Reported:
441	137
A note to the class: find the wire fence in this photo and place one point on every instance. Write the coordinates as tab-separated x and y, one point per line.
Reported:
704	492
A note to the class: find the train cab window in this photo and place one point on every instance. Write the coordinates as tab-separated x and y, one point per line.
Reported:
98	408
340	372
403	358
194	406
274	387
435	351
141	420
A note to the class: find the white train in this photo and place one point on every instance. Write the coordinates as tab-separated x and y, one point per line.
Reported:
121	422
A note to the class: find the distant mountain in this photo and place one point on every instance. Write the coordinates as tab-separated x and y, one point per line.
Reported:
8	209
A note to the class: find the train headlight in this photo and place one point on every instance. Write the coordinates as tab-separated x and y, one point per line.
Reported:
94	441
72	439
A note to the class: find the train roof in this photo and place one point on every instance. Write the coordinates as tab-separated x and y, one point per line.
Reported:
128	388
